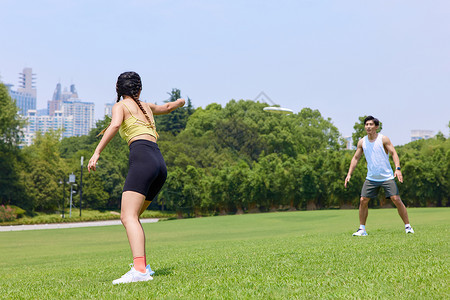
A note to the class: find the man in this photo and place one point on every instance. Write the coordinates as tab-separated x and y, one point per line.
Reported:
376	148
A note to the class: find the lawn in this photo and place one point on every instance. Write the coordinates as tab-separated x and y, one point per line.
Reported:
285	255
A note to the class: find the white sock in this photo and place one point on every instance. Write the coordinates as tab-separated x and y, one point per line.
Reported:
407	225
363	227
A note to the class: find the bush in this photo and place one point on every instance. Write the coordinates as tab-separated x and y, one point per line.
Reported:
7	214
20	213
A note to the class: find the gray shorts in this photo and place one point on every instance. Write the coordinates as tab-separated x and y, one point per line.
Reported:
370	188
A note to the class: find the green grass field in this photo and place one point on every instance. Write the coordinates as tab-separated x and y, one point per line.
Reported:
288	255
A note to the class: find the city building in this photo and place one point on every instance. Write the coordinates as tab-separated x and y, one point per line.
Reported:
25	95
67	101
83	115
349	143
65	112
45	123
108	109
420	134
59	96
42	112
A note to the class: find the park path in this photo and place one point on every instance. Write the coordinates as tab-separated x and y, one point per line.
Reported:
68	225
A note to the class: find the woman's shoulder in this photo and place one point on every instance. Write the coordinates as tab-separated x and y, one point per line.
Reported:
148	105
117	105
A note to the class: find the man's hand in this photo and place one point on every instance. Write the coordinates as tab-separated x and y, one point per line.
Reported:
399	175
347	179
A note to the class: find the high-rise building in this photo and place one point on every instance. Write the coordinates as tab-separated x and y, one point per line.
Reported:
349	143
60	96
25	95
67	101
83	115
57	92
108	109
421	134
46	123
65	111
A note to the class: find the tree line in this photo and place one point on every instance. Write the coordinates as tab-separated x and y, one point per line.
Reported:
232	159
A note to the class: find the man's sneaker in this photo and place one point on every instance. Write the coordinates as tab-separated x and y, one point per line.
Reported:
133	276
360	232
149	270
409	229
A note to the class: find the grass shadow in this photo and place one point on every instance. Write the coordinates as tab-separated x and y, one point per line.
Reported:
164	271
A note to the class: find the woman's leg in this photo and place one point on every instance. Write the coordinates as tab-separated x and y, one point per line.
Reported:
144	206
132	203
156	185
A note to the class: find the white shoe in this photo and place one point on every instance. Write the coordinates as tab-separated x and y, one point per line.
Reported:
360	232
409	229
149	270
133	276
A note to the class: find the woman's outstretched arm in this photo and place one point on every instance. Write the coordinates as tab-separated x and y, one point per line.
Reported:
166	107
116	121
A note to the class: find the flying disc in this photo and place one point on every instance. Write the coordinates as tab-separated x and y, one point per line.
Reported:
279	110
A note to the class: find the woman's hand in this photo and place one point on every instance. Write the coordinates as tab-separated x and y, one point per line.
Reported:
181	101
93	162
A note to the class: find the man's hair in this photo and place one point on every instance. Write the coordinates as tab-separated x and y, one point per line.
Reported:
370	118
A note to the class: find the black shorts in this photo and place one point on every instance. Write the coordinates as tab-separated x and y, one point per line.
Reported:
147	172
370	188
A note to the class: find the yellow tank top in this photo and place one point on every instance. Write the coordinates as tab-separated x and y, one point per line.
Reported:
132	127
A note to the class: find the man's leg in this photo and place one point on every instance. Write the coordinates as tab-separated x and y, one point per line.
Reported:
363	210
368	190
400	208
391	190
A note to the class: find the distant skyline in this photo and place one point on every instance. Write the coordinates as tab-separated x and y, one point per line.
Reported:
390	59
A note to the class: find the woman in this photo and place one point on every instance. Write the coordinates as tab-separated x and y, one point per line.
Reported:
147	169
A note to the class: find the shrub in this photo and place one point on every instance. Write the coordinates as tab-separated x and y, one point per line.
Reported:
7	214
19	212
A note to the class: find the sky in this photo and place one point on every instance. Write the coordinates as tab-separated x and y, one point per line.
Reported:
389	59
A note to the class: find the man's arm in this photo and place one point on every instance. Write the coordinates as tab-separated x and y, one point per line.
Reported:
354	162
391	150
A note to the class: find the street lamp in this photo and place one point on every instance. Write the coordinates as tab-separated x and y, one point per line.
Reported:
81	183
63	182
71	182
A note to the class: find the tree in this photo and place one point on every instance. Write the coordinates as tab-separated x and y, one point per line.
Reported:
11	185
237	185
242	139
10	121
425	167
314	132
271	171
172	192
45	170
176	121
193	189
94	196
